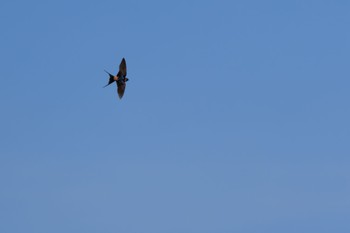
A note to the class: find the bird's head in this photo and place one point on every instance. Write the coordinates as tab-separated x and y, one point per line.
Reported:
126	79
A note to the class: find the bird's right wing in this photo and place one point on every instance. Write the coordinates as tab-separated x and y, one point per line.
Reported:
122	67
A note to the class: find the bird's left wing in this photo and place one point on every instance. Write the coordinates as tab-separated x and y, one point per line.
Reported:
121	89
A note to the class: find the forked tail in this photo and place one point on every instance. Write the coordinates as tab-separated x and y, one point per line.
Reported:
111	78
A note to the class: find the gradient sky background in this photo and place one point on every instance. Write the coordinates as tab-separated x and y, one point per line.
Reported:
235	118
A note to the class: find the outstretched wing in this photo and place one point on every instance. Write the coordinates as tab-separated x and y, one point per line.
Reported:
122	68
121	89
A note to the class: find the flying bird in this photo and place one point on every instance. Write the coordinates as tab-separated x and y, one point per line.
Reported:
120	78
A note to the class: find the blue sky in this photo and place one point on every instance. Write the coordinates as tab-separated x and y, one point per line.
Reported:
235	118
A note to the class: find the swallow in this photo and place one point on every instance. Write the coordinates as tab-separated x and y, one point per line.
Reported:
120	78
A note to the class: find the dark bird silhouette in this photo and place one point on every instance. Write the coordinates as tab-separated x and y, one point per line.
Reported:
120	78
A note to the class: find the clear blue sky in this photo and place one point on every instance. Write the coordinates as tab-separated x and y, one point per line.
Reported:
235	118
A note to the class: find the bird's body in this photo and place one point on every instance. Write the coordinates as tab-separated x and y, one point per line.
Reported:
120	78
